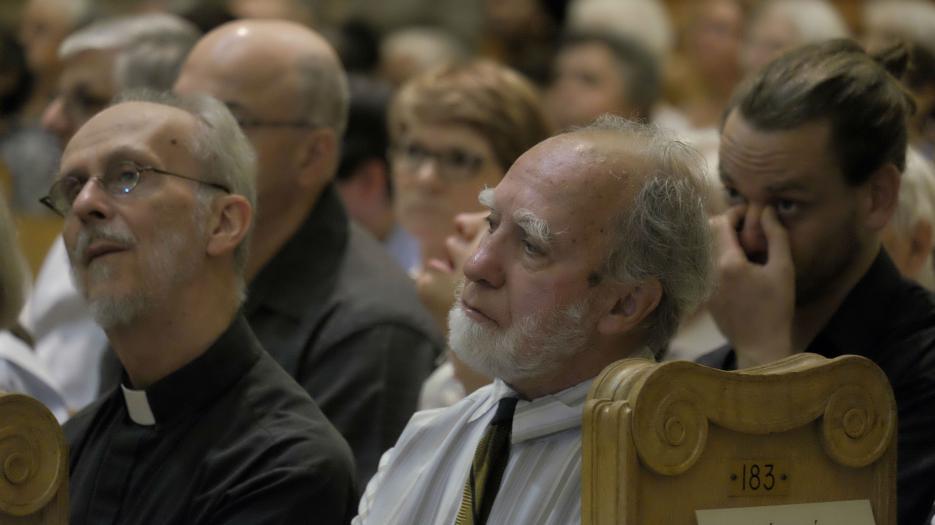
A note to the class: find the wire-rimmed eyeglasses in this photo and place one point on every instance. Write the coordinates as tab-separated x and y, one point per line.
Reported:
120	179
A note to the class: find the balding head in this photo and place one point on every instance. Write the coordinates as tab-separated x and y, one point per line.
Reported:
288	91
279	62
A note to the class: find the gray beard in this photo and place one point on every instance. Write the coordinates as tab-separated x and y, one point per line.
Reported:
170	266
536	346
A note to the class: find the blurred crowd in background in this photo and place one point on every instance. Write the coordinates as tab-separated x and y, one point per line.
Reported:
446	94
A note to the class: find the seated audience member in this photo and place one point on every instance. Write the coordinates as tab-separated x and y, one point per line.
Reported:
411	51
99	61
454	131
20	369
811	153
363	176
28	154
44	24
158	196
551	297
705	69
780	25
325	299
909	238
912	21
597	73
643	21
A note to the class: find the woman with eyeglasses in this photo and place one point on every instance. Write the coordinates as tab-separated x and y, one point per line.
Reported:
454	131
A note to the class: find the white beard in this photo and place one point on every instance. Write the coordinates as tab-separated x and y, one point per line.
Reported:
535	346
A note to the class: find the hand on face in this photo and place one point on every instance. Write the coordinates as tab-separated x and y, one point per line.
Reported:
754	303
437	281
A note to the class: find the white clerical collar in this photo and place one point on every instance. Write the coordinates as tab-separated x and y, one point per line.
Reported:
138	406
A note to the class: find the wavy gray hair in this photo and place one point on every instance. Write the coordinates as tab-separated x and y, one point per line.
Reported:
663	234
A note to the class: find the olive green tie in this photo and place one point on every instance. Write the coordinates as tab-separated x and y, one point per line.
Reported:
490	459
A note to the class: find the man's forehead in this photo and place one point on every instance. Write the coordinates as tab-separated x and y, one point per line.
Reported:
567	174
135	124
777	157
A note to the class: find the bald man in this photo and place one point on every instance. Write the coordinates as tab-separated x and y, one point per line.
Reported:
324	298
551	297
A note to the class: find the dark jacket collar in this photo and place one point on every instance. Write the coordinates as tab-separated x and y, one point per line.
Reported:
304	267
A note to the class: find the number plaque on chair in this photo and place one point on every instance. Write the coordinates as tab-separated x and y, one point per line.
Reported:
662	441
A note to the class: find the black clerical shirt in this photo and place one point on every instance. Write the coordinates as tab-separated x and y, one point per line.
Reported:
891	321
338	314
229	438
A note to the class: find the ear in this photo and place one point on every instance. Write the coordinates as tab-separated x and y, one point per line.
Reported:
632	304
920	247
882	196
317	158
231	219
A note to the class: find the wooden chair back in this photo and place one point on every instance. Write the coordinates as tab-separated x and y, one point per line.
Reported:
661	441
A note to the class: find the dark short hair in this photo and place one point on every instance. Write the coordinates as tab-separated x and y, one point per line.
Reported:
641	72
859	95
366	137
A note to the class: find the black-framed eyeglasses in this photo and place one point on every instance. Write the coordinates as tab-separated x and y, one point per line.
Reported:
454	165
119	179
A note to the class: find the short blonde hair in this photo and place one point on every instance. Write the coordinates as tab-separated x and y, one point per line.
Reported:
493	100
13	272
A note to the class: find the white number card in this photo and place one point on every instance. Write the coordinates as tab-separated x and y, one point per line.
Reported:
855	512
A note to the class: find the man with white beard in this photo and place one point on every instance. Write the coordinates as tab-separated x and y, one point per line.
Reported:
597	245
157	197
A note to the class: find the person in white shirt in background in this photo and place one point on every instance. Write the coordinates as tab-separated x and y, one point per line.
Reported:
597	245
99	61
910	236
20	369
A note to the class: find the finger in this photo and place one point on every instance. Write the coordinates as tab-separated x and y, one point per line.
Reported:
725	237
776	238
438	265
458	250
735	215
469	225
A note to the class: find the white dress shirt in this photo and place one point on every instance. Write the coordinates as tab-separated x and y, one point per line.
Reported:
68	341
21	372
421	479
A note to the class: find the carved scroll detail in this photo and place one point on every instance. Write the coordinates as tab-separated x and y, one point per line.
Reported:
854	429
673	404
32	455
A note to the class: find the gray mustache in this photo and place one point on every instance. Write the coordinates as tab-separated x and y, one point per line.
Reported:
110	233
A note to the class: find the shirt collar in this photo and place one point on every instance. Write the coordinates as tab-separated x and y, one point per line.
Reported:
301	267
196	384
541	416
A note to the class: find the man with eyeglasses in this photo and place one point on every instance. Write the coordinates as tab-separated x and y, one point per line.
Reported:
157	195
324	298
99	61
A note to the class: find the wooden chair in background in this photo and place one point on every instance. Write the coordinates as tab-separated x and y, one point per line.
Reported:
661	441
33	464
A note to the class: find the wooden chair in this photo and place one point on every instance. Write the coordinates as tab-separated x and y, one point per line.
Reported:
661	441
33	464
